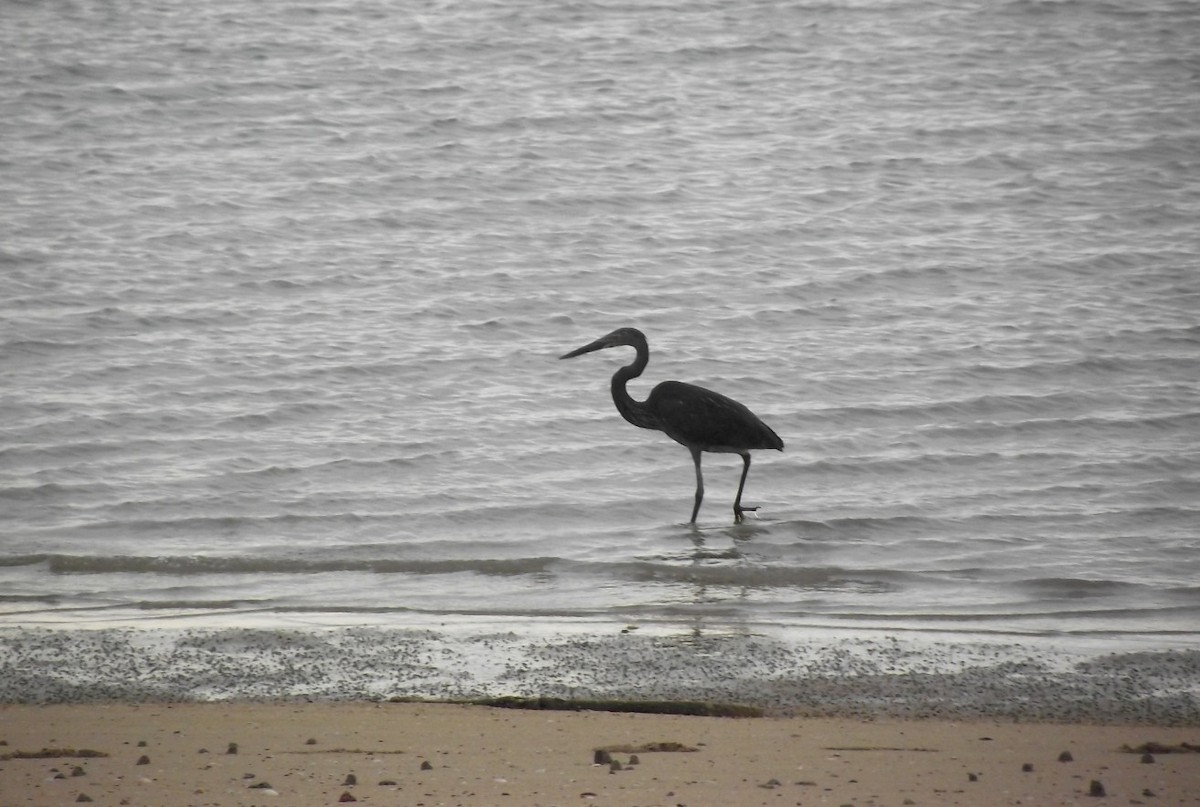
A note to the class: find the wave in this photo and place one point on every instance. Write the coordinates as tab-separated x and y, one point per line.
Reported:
51	490
712	572
750	575
1099	619
1075	587
202	564
850	524
1025	406
215	525
40	348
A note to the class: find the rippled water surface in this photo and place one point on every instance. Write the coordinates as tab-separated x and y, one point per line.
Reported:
283	288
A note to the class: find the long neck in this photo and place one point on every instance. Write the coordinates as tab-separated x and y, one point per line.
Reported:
635	412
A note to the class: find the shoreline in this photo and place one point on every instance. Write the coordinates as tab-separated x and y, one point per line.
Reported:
826	677
427	754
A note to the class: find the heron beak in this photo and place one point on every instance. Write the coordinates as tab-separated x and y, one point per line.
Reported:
599	344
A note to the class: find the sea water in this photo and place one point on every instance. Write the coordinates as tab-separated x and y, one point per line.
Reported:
283	288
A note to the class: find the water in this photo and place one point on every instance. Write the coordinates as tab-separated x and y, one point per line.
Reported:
283	287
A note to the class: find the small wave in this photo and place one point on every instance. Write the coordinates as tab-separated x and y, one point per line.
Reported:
865	523
50	490
715	574
710	53
900	465
1053	426
337	465
1041	622
44	599
39	347
758	576
936	412
216	525
202	564
1074	587
277	417
23	560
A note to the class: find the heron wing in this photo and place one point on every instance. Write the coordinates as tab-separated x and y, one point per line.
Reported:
700	418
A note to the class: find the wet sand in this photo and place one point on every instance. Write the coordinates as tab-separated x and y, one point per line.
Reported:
850	677
442	754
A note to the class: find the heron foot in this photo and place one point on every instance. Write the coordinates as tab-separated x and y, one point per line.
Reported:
737	513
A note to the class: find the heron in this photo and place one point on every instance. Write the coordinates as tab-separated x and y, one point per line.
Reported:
695	417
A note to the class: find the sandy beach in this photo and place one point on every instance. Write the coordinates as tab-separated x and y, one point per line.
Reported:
237	753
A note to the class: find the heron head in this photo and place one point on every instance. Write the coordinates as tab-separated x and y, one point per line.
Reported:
621	336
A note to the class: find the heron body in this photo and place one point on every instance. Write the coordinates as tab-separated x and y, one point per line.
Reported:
692	416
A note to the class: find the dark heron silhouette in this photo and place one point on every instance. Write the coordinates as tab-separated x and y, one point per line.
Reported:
692	416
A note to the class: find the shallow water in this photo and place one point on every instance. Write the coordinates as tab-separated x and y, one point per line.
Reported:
282	290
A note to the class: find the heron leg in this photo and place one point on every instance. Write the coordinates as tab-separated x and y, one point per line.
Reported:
737	503
699	485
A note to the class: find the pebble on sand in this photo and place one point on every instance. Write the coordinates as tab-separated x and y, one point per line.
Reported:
1065	756
345	797
1096	789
